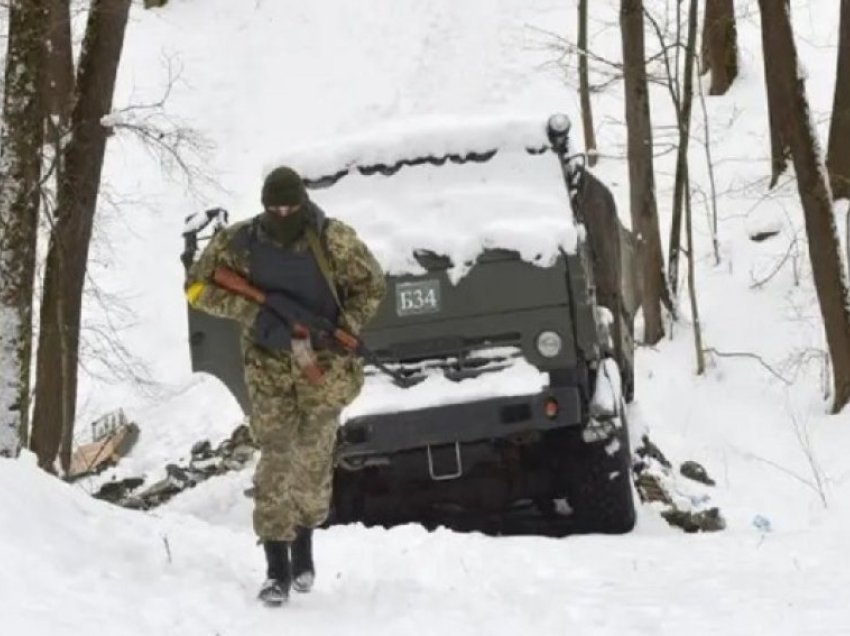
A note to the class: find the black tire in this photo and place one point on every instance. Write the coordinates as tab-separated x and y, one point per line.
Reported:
600	490
347	501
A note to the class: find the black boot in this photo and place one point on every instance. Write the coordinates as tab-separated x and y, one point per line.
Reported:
303	572
275	591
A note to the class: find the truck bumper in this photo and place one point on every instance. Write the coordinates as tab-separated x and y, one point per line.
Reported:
454	424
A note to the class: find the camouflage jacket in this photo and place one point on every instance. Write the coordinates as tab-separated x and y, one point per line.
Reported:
360	284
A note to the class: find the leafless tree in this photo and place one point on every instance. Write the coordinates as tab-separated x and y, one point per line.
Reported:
720	45
680	84
692	285
21	140
712	182
838	154
682	97
779	143
177	147
57	364
644	211
683	182
790	109
584	86
59	85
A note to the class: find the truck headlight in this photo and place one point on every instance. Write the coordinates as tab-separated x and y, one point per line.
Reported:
559	124
549	344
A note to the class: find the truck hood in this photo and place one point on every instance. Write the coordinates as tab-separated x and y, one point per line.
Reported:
449	187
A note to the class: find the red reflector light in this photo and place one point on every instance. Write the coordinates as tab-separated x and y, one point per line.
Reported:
551	408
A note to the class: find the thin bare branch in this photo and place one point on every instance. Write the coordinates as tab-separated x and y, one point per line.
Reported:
177	146
757	284
751	356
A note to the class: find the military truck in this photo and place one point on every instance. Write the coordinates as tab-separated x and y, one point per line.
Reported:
546	449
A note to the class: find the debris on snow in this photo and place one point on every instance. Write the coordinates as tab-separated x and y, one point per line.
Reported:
676	500
648	450
113	437
232	454
695	471
762	523
704	521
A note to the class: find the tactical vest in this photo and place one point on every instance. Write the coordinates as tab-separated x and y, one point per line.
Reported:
274	268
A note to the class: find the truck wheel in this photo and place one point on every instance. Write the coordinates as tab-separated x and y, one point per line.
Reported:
600	489
347	501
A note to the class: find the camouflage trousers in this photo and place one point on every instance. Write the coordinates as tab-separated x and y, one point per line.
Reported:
292	482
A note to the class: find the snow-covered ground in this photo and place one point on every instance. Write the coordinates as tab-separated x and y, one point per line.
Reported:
194	569
263	80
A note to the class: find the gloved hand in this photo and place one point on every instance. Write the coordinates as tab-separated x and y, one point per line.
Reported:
271	332
325	341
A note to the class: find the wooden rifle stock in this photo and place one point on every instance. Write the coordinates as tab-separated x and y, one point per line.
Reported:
231	281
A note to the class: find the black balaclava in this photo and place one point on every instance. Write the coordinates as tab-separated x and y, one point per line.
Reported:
284	187
285	229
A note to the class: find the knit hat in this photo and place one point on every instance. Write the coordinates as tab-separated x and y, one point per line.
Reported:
283	186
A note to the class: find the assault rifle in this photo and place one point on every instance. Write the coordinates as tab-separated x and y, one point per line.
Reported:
306	327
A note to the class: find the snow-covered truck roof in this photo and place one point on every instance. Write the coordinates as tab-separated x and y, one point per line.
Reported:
451	186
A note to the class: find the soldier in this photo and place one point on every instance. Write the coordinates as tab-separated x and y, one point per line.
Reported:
293	252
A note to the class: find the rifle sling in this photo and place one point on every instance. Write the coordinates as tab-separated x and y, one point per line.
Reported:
324	267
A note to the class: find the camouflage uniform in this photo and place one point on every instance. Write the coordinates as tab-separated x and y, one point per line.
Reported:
293	422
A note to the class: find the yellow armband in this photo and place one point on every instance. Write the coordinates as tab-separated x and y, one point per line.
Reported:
193	292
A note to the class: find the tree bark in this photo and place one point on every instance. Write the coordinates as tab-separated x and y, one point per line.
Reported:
56	391
584	86
779	145
720	45
21	140
59	85
680	189
824	245
838	154
692	276
644	211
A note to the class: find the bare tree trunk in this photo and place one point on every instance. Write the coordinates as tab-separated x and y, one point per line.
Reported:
21	140
779	144
838	154
58	85
56	391
692	275
684	123
584	86
815	195
709	162
644	210
60	61
59	95
720	45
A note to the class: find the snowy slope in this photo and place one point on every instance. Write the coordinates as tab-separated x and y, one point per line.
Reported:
263	79
171	573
